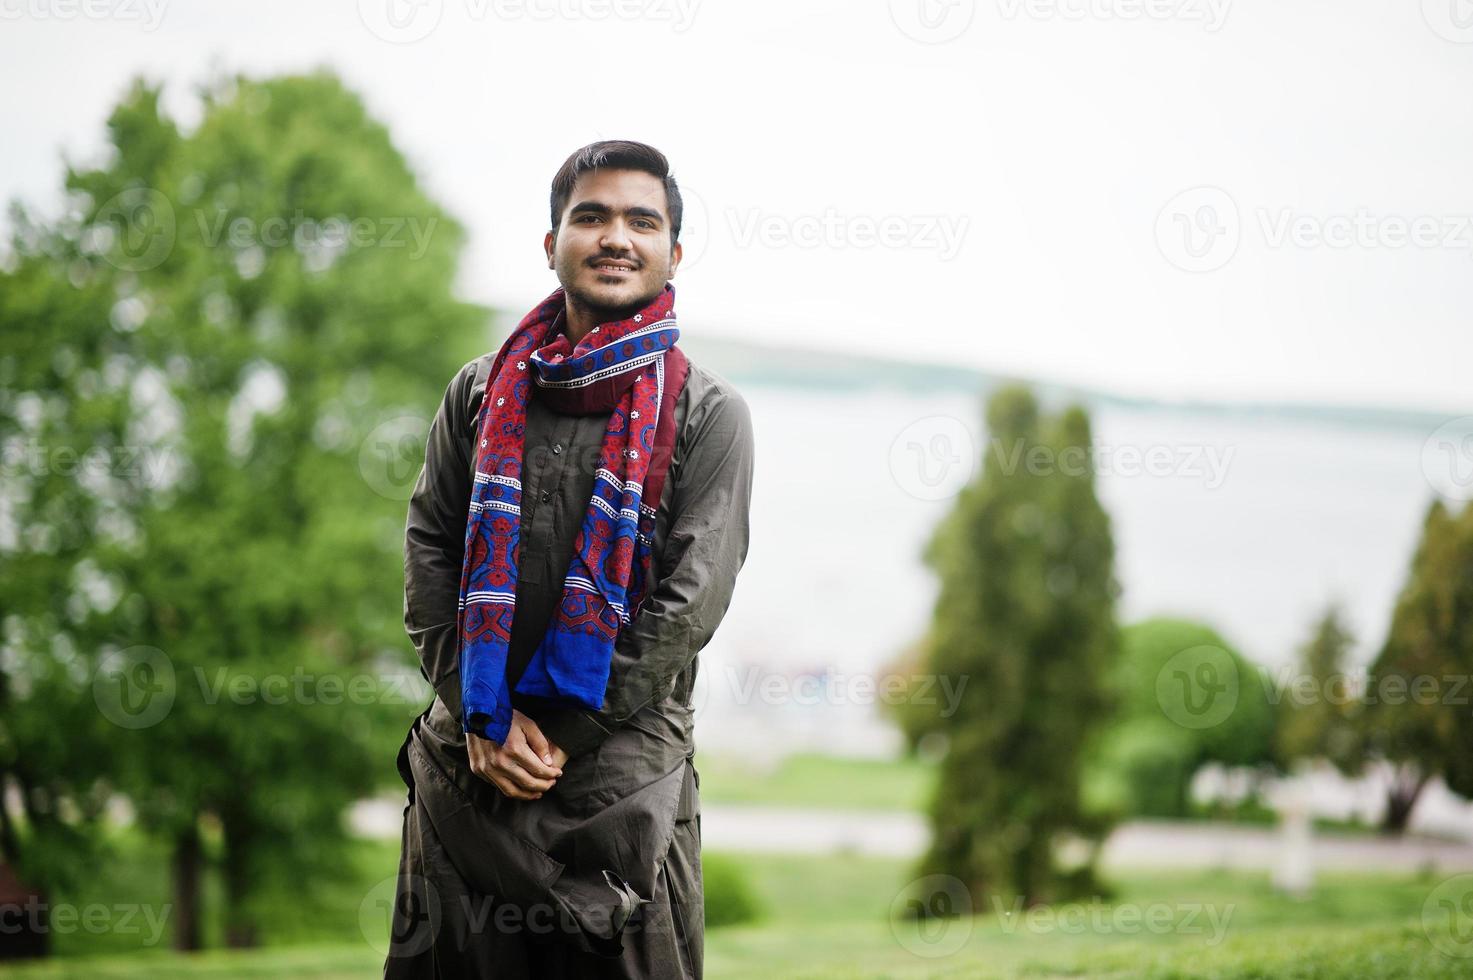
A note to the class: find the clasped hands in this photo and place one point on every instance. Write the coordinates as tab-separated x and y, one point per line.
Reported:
524	766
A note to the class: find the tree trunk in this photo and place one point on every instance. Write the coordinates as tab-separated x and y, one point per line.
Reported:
241	935
240	929
1406	786
9	840
186	874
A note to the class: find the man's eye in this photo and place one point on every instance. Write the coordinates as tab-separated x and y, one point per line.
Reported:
645	223
589	217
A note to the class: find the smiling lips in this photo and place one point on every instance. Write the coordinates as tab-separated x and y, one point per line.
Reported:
613	267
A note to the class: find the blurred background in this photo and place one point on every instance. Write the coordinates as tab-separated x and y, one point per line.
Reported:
1109	607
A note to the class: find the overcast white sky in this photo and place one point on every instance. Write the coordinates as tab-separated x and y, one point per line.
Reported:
1179	198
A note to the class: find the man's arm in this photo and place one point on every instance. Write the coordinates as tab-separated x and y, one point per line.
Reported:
706	547
434	541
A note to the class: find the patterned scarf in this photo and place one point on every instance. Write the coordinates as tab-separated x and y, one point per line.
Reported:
631	369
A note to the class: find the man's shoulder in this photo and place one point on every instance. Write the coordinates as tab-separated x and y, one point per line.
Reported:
478	368
712	404
707	389
468	387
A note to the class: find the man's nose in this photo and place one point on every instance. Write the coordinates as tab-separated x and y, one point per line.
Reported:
616	236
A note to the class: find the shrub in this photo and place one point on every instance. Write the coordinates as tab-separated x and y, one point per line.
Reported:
729	897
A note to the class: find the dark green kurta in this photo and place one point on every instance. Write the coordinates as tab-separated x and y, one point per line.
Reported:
620	833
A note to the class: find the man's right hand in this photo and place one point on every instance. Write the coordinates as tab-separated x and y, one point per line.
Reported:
524	766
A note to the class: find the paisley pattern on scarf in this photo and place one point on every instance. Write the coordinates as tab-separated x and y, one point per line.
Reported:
621	367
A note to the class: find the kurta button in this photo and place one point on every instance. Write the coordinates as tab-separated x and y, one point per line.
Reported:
557	448
546	496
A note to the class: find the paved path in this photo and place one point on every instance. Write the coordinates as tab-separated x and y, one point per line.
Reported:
1138	844
1144	844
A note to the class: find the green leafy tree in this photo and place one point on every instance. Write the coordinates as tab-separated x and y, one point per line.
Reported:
63	417
1186	698
278	297
1419	721
1026	616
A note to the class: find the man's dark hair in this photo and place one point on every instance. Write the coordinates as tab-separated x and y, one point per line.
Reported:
616	155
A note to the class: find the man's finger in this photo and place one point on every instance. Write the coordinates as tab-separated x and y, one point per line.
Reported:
537	741
514	767
510	789
532	762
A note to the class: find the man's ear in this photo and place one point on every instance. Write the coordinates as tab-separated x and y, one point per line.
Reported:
675	256
549	245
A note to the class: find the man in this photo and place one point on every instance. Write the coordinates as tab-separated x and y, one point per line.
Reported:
571	545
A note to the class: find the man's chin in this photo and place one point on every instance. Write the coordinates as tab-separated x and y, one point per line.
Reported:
614	302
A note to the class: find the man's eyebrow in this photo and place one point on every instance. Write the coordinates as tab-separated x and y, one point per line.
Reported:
597	207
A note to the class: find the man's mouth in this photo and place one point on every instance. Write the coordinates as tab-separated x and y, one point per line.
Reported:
614	267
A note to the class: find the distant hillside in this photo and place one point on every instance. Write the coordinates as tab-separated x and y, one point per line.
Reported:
809	370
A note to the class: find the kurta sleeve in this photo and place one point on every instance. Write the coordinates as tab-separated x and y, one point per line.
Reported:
434	541
706	547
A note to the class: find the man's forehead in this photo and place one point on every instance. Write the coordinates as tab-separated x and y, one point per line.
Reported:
619	188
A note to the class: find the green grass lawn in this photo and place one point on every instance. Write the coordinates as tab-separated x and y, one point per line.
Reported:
829	917
805	780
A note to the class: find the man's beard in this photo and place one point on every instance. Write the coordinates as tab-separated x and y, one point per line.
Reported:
604	311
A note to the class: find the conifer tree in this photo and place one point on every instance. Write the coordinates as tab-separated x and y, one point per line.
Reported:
1026	616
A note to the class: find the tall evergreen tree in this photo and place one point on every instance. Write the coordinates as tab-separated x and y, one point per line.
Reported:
1419	720
1026	616
1319	718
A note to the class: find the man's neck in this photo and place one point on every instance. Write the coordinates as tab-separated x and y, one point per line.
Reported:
578	321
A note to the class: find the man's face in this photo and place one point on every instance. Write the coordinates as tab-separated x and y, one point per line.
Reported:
612	249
